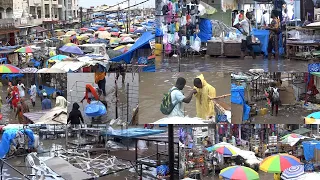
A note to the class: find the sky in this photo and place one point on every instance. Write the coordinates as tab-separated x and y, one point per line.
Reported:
88	3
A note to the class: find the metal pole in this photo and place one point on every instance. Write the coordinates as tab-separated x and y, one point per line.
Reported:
127	104
81	16
116	99
25	176
171	151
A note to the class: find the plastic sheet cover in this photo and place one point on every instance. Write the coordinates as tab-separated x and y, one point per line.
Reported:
309	148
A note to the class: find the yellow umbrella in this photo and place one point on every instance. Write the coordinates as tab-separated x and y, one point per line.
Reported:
60	33
70	33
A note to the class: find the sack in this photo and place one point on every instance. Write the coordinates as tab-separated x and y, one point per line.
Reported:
167	106
275	95
197	44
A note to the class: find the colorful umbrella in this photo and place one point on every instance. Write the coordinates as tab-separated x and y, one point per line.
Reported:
293	135
293	172
239	173
224	150
8	68
278	163
115	34
83	29
71	49
26	49
122	48
313	118
104	35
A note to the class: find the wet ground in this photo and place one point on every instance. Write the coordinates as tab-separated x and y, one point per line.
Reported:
212	64
76	89
9	114
293	114
154	85
262	175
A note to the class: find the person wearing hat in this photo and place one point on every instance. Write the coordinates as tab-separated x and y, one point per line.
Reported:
46	103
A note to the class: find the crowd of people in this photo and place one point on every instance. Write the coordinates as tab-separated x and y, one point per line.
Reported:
17	100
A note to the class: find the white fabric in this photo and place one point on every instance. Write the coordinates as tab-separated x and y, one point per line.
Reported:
33	93
236	20
177	98
21	90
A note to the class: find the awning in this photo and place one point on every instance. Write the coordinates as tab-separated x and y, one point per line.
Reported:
40	29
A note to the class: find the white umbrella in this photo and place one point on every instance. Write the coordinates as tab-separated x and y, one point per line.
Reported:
309	176
293	172
50	70
180	120
28	70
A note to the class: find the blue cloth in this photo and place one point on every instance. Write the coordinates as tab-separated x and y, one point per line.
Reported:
46	104
237	94
205	27
4	60
308	149
11	76
263	36
9	135
134	132
314	67
142	41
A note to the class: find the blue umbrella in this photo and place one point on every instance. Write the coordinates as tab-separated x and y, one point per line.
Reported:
94	28
114	30
101	41
71	49
111	25
59	57
293	172
315	115
139	31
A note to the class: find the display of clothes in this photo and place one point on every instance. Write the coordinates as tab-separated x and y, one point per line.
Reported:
179	22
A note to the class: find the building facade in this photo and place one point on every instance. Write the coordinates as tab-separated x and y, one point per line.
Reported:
19	17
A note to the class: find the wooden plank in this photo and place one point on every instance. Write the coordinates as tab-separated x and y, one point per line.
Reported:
65	169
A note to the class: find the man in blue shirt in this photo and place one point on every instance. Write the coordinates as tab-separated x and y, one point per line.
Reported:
46	103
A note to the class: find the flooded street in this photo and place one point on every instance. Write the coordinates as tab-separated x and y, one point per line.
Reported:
287	115
211	64
76	91
154	85
9	115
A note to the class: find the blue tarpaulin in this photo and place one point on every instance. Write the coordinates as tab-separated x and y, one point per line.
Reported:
309	147
142	41
11	76
3	60
134	132
238	97
263	36
9	135
205	27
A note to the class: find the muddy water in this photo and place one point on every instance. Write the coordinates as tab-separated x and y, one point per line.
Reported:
76	88
211	64
154	85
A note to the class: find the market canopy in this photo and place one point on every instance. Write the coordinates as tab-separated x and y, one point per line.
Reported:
40	29
143	40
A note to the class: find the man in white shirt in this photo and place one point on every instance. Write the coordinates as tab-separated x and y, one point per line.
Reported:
61	101
178	98
21	89
33	94
238	18
246	42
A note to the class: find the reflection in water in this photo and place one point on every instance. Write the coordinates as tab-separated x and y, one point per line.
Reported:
210	64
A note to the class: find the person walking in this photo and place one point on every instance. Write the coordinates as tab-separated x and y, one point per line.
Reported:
274	30
246	42
33	94
46	103
274	97
99	78
75	116
61	101
22	108
21	88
